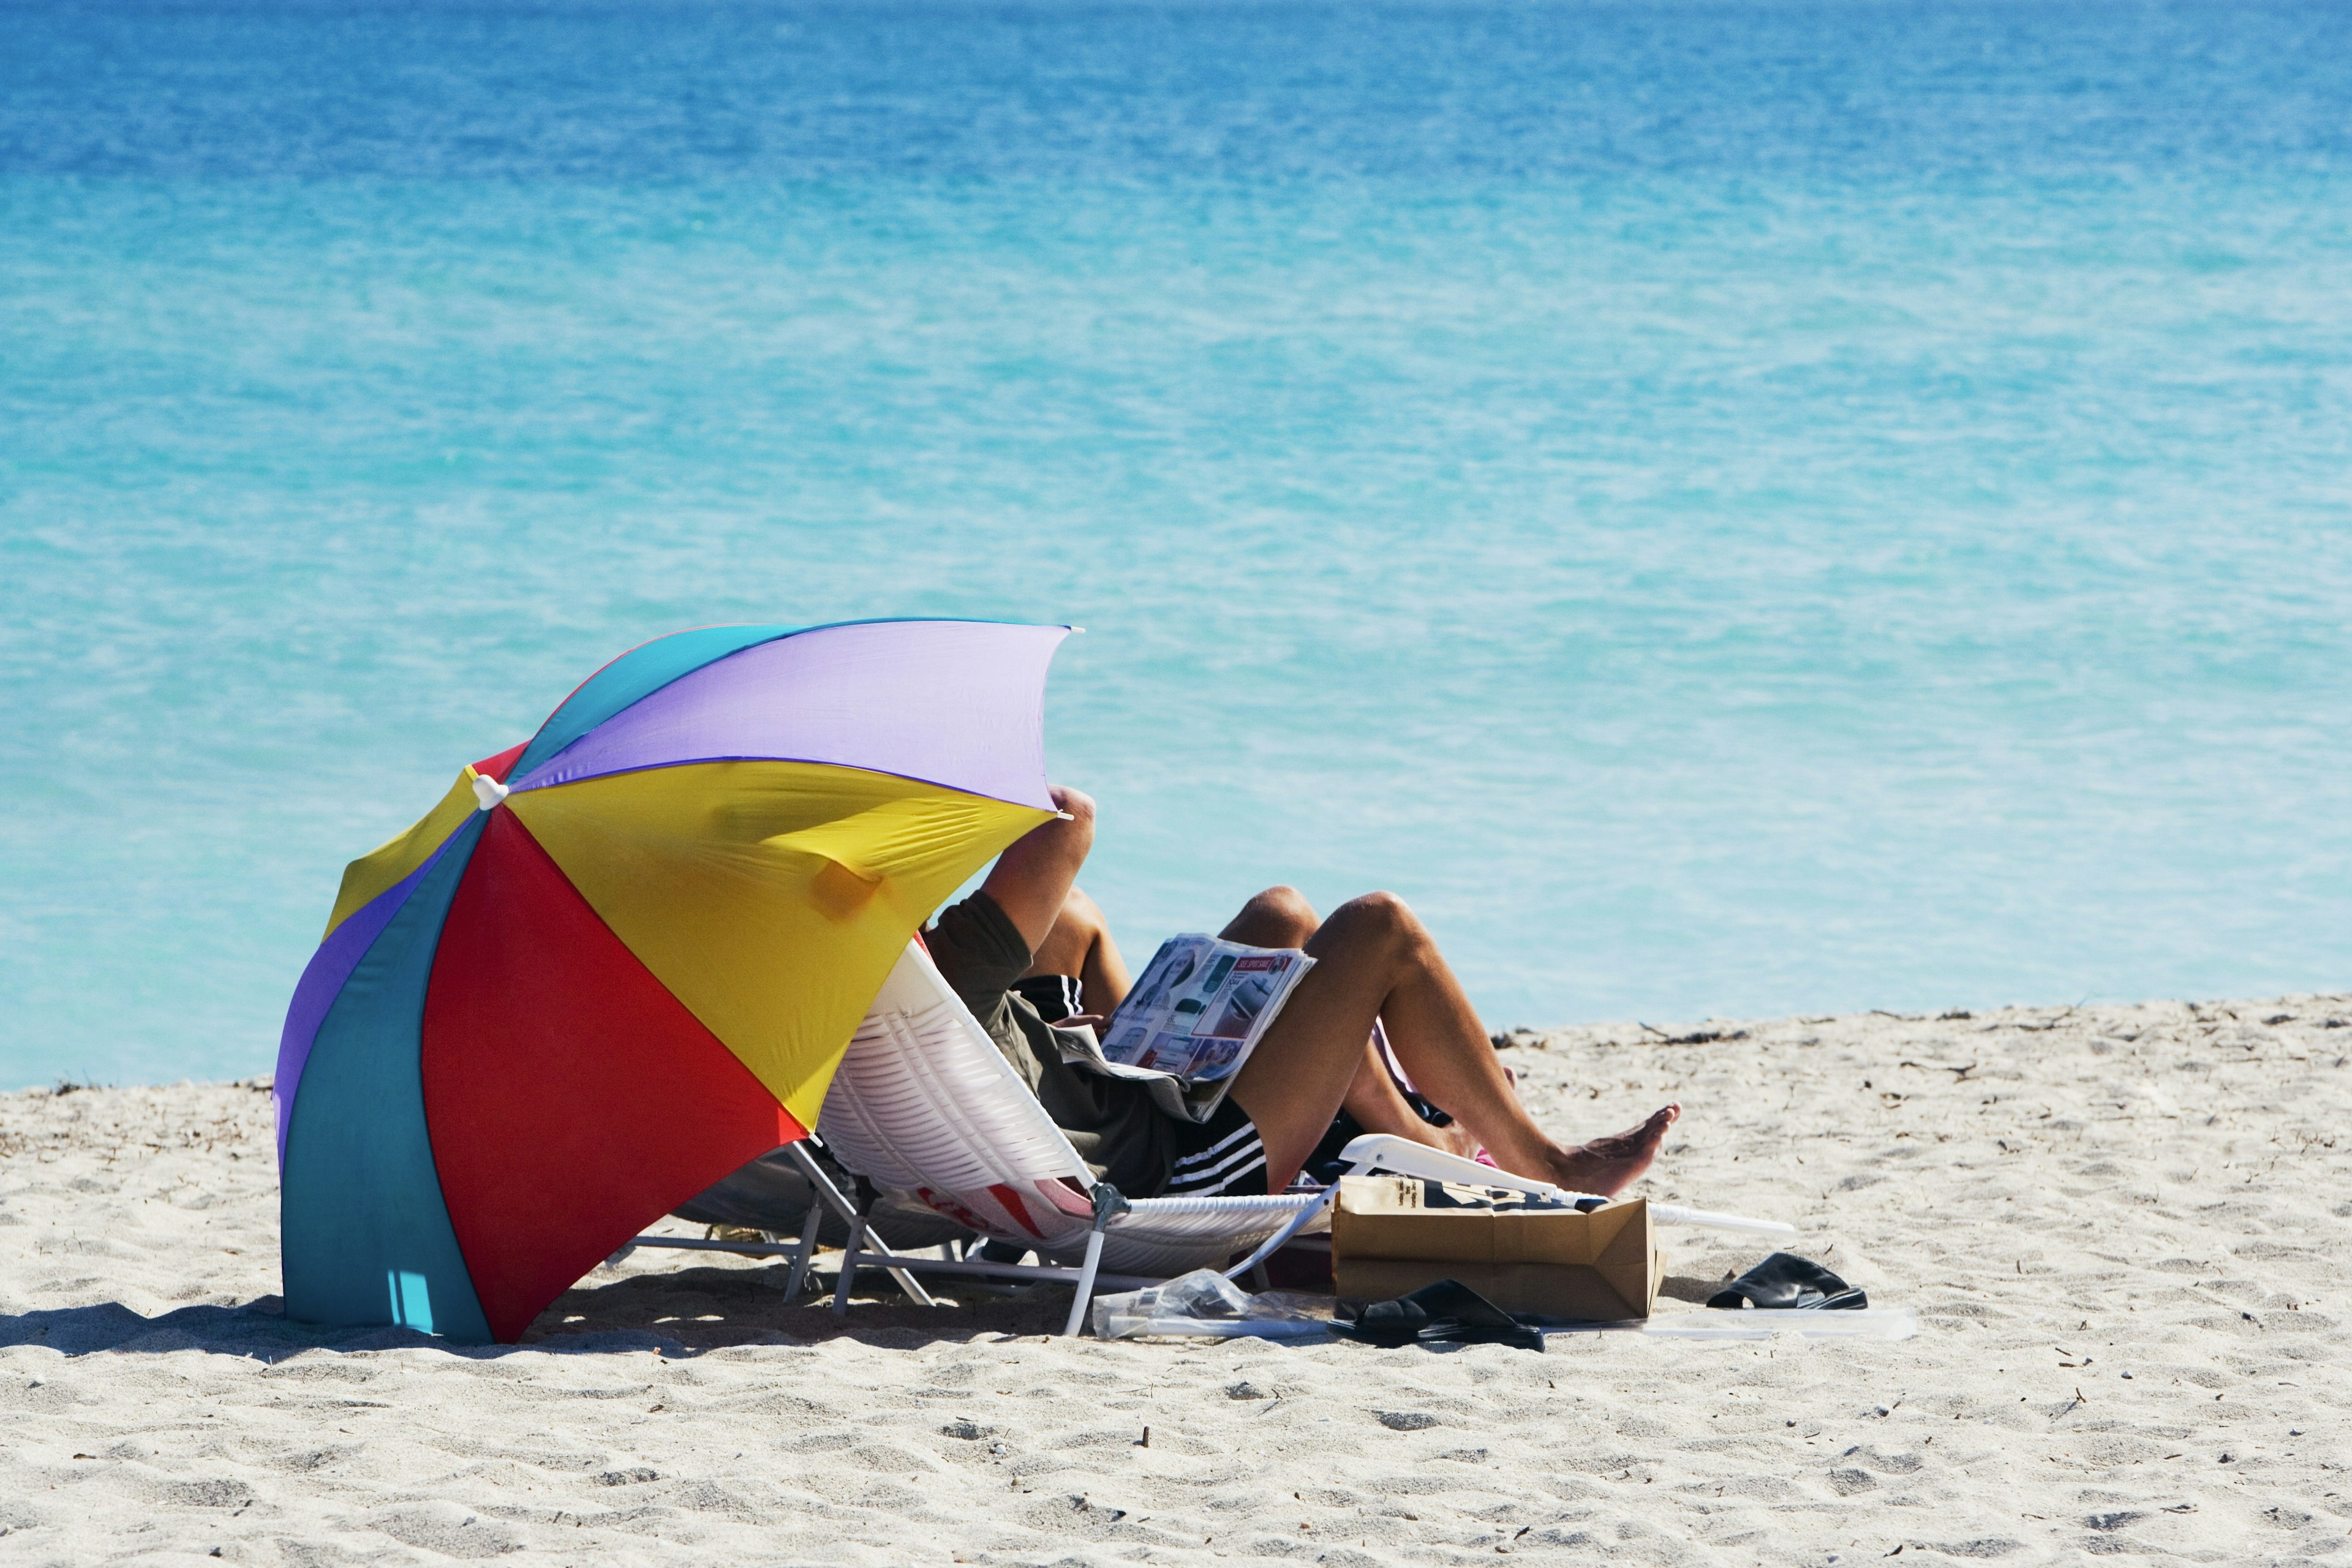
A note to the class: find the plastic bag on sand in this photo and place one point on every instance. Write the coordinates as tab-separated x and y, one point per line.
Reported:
1204	1303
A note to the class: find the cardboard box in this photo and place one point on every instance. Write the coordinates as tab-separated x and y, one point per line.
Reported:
1393	1235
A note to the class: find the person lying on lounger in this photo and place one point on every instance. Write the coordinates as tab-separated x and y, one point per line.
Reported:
1030	936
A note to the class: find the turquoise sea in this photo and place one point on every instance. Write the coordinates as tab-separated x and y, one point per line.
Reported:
1732	508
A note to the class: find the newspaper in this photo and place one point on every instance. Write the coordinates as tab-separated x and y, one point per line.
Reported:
1199	1009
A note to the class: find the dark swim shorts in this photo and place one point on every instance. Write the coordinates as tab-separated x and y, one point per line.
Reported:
1222	1157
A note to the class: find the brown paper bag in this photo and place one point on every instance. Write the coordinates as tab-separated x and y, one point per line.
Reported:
1393	1235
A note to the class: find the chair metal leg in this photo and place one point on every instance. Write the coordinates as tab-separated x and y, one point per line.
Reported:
1108	1205
831	1195
1280	1238
1086	1291
875	1246
907	1281
806	1249
849	1256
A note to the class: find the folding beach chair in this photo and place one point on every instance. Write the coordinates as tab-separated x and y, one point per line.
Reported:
924	1107
775	1187
924	1104
927	1110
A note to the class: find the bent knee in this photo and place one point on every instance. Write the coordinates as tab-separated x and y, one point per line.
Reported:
1279	916
1384	913
1079	912
1283	903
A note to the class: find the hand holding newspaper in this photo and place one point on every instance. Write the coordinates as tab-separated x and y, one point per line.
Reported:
1200	1008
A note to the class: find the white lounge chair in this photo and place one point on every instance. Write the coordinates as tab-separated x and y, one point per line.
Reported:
924	1106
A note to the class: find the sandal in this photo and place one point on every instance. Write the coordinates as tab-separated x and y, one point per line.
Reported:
1785	1282
1448	1312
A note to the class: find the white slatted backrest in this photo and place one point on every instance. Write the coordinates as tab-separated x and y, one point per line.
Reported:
925	1103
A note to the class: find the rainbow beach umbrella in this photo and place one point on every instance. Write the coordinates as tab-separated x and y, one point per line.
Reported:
619	961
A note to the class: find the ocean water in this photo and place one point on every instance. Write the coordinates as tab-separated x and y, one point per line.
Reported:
1731	509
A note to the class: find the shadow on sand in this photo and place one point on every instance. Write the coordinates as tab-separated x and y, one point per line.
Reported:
682	1313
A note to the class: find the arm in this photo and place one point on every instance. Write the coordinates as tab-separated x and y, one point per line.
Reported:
1032	878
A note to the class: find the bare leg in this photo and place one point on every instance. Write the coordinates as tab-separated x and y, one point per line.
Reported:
1080	946
1374	959
1378	1106
1281	917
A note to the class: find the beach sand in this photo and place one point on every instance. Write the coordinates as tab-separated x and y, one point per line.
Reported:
2122	1228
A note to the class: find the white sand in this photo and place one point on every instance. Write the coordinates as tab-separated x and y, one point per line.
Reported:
2123	1228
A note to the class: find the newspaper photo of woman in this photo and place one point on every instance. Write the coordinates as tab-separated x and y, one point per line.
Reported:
1159	980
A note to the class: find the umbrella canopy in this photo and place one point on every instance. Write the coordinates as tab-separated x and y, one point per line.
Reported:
619	961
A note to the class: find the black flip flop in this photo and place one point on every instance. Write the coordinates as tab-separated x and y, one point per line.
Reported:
1448	1312
1787	1282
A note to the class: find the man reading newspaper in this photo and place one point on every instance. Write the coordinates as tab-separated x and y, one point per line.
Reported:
1030	937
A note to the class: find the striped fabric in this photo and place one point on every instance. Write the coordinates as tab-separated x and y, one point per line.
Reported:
1215	1170
1055	996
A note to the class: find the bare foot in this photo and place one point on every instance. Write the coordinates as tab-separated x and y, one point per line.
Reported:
1609	1165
